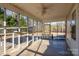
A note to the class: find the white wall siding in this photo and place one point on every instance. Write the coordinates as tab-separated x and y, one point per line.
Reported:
73	44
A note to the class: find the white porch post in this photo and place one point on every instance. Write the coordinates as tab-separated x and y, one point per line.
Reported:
27	30
19	38
13	40
4	31
66	29
33	32
1	41
37	30
33	38
18	17
50	28
62	27
57	31
27	39
50	33
42	29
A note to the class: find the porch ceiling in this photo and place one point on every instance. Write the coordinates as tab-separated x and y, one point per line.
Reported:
46	11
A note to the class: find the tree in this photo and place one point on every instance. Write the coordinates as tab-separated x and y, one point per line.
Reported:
1	13
22	22
11	22
1	16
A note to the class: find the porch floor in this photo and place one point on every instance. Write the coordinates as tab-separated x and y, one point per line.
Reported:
47	48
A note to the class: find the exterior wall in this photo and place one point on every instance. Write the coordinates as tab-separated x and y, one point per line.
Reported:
73	44
77	30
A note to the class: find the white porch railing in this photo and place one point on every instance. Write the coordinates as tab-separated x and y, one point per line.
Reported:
12	35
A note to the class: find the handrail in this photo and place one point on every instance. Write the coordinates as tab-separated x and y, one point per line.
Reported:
12	27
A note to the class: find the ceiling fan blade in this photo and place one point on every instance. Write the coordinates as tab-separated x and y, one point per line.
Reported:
44	8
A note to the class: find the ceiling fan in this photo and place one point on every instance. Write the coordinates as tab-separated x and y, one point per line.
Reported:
45	8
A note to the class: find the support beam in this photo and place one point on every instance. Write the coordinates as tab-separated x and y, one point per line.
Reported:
18	18
66	29
37	30
40	34
4	31
19	39
57	30
50	34
1	43
27	30
50	28
42	30
13	40
33	32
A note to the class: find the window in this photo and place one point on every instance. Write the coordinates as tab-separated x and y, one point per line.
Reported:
73	25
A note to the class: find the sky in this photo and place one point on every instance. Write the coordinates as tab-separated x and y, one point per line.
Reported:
8	12
54	23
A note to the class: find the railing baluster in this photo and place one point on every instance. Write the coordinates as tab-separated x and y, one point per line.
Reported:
13	40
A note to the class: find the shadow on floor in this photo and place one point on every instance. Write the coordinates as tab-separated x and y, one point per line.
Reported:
56	47
24	49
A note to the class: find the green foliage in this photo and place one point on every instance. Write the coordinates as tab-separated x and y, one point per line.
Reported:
1	17
22	22
11	22
1	13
